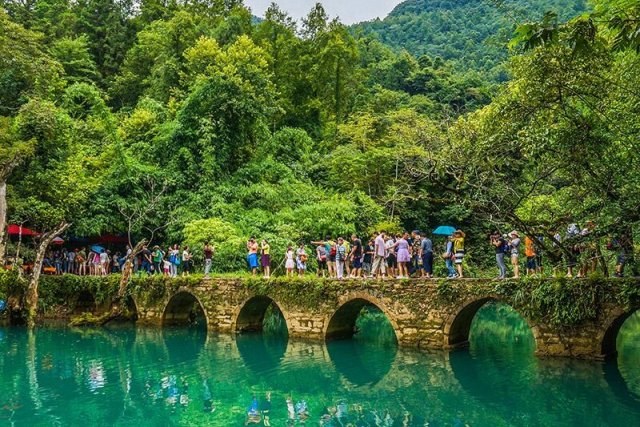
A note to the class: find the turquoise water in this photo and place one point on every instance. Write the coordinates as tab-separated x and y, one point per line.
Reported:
133	376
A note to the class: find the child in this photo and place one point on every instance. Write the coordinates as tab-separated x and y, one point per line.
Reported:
289	262
166	267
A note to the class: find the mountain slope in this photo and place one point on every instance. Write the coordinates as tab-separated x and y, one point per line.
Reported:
472	33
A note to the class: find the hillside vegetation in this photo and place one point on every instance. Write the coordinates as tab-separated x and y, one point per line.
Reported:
472	33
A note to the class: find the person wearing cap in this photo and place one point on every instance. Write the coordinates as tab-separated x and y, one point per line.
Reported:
514	238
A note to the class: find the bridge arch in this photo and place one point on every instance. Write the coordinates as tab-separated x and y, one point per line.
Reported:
609	336
250	315
458	325
183	308
341	324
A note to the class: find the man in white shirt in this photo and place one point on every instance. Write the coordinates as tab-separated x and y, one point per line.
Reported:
379	253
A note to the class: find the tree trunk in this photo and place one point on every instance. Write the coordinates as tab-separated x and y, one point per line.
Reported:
31	296
3	219
119	302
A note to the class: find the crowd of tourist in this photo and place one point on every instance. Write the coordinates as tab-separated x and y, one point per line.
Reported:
382	255
100	261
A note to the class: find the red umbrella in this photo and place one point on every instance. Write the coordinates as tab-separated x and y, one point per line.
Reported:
58	241
16	230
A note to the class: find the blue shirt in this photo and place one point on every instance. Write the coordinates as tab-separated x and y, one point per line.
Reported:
426	245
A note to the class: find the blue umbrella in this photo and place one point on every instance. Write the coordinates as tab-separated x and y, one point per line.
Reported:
97	249
444	230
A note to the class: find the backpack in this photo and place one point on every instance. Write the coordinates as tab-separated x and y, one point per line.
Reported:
322	253
333	251
506	248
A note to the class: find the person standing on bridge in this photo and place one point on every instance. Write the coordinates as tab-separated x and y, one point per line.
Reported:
208	257
458	250
356	257
515	253
266	258
252	256
500	245
379	268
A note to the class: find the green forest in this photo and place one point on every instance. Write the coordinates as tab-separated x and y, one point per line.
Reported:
472	34
185	122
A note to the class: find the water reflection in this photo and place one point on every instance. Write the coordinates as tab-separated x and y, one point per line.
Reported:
181	377
628	346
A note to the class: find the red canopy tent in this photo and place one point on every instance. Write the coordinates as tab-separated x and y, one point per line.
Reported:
112	239
16	230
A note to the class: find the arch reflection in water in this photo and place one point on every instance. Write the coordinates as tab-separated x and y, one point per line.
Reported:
184	309
264	338
261	314
498	336
622	372
350	319
367	358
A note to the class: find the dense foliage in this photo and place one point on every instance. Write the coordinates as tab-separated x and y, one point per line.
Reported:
193	122
472	33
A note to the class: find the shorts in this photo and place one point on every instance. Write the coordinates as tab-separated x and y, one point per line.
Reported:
266	260
186	266
391	261
322	265
621	259
531	262
252	259
458	257
301	265
331	258
357	263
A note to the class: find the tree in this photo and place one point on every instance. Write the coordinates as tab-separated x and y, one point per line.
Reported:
335	68
74	56
13	151
52	188
25	69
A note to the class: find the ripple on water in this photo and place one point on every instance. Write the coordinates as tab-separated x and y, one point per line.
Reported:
177	376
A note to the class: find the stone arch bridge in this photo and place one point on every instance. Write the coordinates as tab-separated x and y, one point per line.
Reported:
426	314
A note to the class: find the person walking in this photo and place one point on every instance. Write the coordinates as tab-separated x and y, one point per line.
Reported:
265	259
208	258
426	255
499	244
458	250
515	253
449	257
379	267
